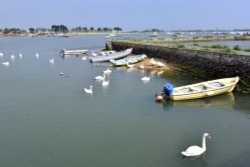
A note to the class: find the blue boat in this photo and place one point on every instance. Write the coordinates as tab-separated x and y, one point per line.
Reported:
128	60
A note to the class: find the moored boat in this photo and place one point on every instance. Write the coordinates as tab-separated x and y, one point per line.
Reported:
112	56
65	52
200	90
128	60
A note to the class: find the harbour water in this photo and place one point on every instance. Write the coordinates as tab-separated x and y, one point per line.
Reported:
47	119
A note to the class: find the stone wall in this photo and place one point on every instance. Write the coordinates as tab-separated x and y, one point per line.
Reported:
214	64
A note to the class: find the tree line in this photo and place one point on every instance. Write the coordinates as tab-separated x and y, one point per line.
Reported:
59	29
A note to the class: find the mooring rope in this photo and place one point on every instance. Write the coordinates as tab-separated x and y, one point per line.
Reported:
244	83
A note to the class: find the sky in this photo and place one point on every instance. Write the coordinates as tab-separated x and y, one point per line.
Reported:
126	14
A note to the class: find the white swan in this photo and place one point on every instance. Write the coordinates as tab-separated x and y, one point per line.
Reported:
37	55
6	63
141	66
20	55
145	78
100	78
107	71
12	57
105	82
84	58
152	61
193	151
52	61
1	54
160	64
90	90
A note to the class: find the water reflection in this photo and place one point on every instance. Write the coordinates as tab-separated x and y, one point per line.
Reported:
224	100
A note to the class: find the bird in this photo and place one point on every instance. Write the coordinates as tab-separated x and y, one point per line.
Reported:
193	151
152	61
12	57
84	58
1	54
160	64
90	90
145	78
105	82
107	71
52	61
37	55
20	55
6	63
100	78
141	66
61	73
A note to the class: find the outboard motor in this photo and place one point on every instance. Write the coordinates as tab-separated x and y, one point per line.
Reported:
168	89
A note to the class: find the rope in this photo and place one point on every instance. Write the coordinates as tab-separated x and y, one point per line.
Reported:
244	83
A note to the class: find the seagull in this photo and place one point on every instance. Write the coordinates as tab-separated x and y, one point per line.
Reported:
145	78
6	63
52	61
90	90
193	151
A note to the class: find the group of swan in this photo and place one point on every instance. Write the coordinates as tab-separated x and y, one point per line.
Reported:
101	78
194	151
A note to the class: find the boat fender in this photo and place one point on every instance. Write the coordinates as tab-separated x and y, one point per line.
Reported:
168	88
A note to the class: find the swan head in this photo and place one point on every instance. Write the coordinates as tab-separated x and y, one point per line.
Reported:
207	135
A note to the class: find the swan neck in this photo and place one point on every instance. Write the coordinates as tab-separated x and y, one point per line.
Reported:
204	143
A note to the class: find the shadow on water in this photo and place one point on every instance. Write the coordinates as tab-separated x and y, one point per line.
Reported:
224	100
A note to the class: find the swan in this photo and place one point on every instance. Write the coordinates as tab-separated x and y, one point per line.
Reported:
6	63
84	58
1	54
100	78
145	78
193	151
141	66
107	71
12	57
61	73
160	64
20	55
152	61
52	61
105	83
90	90
37	55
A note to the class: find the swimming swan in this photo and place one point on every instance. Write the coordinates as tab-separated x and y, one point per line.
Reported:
145	78
193	151
6	63
52	61
107	71
90	90
100	78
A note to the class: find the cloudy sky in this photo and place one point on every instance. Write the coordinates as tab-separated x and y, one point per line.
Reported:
127	14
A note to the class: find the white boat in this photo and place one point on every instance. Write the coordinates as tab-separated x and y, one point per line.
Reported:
102	53
128	60
201	90
65	52
112	56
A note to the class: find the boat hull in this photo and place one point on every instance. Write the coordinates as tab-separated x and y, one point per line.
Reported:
113	56
128	60
227	85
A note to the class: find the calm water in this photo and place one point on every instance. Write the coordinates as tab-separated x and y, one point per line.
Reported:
47	119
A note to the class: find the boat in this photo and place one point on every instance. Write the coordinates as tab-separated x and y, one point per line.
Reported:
128	60
200	90
78	52
108	57
102	53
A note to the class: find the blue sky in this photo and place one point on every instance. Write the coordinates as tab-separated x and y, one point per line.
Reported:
127	14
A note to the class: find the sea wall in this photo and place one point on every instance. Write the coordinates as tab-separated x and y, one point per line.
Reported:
206	64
